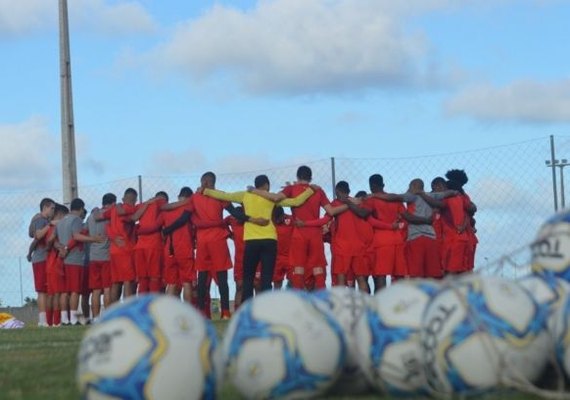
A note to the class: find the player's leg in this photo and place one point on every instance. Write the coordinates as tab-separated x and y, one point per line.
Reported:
224	294
268	258
251	257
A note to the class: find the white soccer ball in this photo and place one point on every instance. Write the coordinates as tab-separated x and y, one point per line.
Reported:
388	337
347	306
482	333
551	248
283	345
150	347
546	289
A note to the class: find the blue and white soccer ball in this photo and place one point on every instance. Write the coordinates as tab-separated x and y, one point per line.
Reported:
546	289
282	345
551	248
150	347
388	337
347	306
482	333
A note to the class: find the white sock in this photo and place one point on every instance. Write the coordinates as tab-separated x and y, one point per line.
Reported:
64	317
73	317
42	318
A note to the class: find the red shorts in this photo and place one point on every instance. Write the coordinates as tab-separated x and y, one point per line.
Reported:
73	278
282	268
424	259
390	260
122	267
99	275
370	260
179	270
56	278
307	250
455	256
40	276
148	262
213	256
342	265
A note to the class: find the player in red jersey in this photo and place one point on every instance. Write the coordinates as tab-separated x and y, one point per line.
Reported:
54	269
366	235
212	253
284	226
120	231
454	225
38	229
458	226
307	248
179	269
148	248
348	248
236	230
389	233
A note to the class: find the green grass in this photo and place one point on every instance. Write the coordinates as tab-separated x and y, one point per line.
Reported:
39	363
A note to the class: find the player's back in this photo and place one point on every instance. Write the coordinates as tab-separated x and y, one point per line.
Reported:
209	210
310	210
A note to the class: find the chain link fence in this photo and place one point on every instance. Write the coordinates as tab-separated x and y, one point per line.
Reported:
511	185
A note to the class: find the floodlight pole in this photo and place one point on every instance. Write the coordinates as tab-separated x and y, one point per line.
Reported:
552	164
68	161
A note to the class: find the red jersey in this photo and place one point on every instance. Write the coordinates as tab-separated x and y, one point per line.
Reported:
284	232
384	215
345	237
311	209
120	227
149	222
453	217
181	240
209	210
237	233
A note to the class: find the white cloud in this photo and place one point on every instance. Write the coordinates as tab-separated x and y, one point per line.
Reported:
522	101
24	17
28	155
305	46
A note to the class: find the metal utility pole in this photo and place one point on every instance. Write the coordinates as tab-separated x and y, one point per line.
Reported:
69	165
552	164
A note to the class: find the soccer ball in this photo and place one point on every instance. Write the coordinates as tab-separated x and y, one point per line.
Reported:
388	337
150	347
481	333
551	248
347	306
283	345
546	289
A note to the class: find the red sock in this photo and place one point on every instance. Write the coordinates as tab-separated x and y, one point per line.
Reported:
49	316
155	286
143	285
56	316
320	281
298	281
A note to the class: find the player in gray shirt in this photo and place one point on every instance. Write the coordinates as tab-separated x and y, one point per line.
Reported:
99	258
68	230
423	252
38	229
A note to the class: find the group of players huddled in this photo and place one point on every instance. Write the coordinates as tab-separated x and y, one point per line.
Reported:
125	248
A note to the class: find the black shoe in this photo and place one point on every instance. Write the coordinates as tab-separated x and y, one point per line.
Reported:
65	324
77	323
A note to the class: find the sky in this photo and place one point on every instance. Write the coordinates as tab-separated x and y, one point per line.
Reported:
174	87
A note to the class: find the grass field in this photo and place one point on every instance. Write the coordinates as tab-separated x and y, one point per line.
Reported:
39	363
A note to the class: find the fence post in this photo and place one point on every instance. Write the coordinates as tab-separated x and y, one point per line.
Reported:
333	176
553	166
140	189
